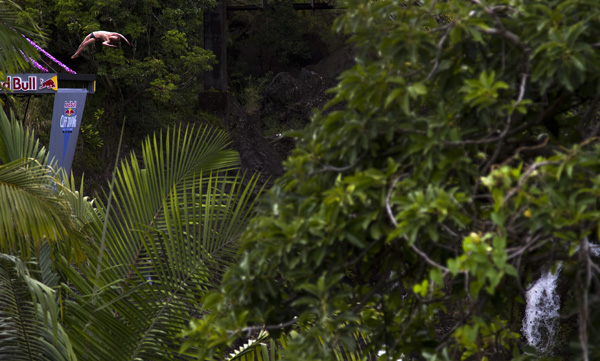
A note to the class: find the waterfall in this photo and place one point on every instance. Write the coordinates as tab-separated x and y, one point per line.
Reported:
541	312
543	304
595	250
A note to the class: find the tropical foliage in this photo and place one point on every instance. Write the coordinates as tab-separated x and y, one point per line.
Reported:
33	218
144	259
31	214
170	230
29	328
15	50
457	163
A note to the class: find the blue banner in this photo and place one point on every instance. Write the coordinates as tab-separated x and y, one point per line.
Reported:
66	121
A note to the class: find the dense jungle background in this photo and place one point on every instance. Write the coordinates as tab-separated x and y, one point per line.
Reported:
272	58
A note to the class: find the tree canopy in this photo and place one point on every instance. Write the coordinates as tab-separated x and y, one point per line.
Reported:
457	163
156	77
15	51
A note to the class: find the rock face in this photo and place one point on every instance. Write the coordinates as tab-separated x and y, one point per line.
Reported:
256	152
293	96
333	65
289	101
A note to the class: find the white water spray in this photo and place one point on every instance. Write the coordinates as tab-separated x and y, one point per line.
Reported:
595	250
541	312
543	304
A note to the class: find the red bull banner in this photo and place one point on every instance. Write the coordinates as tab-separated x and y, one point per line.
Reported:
66	122
30	83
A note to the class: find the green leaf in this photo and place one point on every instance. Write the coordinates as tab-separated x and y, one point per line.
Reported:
422	288
454	265
393	96
404	103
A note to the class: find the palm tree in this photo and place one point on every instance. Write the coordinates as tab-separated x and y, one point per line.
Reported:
29	328
14	48
30	211
33	217
164	237
169	231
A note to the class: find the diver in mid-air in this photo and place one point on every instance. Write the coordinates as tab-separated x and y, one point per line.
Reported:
105	36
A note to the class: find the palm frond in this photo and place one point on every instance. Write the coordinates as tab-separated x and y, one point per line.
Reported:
30	211
174	229
85	216
16	142
14	48
29	329
253	350
170	163
258	350
34	207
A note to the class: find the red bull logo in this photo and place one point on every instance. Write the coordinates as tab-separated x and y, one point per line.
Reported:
17	83
29	83
70	108
49	83
68	120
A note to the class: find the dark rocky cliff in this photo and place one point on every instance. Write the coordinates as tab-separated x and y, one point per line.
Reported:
290	97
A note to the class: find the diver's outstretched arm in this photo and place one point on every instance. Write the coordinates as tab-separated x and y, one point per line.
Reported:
124	38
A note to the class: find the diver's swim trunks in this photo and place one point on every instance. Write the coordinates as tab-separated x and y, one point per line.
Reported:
92	36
